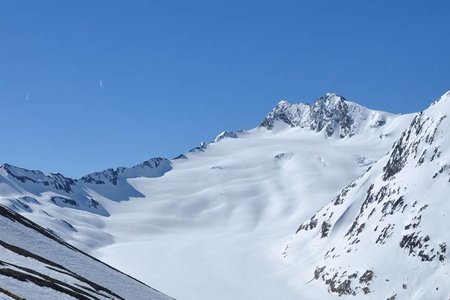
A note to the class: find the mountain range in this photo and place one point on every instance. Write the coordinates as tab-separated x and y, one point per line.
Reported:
322	200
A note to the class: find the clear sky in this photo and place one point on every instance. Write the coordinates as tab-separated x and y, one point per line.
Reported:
87	85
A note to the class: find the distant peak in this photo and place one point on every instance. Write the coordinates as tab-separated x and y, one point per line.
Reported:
56	180
154	167
330	113
4	166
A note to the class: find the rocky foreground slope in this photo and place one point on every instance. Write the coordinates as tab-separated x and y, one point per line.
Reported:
36	264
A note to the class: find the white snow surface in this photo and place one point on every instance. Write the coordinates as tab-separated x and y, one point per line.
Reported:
220	222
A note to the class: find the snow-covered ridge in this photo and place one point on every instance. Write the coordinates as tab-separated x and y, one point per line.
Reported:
51	180
204	145
332	114
151	168
154	167
226	134
29	190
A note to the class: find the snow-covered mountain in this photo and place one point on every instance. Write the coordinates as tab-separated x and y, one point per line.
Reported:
214	222
36	264
386	234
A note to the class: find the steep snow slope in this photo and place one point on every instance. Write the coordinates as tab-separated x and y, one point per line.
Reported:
35	264
386	234
214	221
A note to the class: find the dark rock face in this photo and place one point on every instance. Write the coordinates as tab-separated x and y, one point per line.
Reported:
285	112
311	224
367	277
325	229
331	113
422	131
342	283
403	148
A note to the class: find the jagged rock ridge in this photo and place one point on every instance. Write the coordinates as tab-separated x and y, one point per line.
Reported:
151	168
331	113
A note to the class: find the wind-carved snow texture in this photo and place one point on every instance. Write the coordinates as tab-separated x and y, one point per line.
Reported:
218	216
392	221
331	114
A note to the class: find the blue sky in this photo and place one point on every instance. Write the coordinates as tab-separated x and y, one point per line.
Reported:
175	73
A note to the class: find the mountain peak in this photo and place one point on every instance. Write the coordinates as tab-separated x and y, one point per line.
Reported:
330	113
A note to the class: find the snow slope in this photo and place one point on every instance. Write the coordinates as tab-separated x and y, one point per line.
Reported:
36	264
214	221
